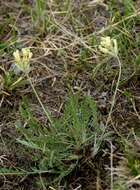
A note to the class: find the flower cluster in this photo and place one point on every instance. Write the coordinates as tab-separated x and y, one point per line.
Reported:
22	59
108	46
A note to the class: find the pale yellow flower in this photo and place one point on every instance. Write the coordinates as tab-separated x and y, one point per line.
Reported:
16	55
22	59
108	46
27	54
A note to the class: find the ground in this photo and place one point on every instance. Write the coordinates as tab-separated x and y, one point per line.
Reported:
72	121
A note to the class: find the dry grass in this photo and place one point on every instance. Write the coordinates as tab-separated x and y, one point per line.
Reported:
64	38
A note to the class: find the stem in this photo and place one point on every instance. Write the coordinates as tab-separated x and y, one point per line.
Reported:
24	172
41	104
115	93
111	165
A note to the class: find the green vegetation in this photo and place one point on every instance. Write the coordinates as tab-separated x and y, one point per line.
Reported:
62	146
69	95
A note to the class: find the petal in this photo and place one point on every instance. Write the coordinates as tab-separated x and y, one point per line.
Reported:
104	50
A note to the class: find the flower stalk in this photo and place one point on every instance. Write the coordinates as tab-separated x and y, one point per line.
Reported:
109	47
22	62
